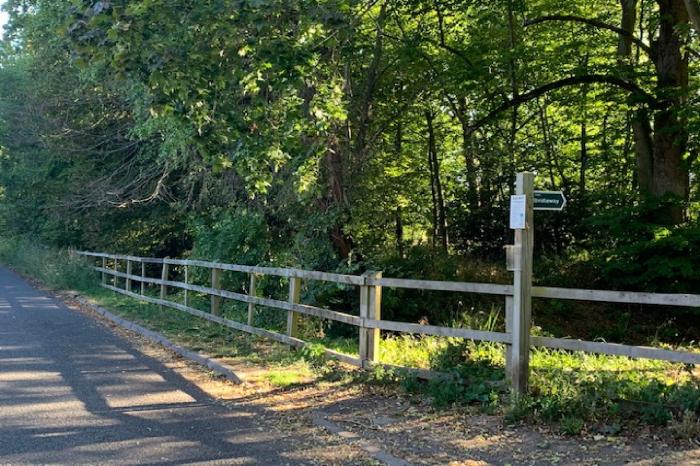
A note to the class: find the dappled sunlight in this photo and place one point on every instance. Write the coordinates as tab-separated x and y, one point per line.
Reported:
17	348
23	361
5	308
254	436
36	303
33	375
314	454
70	411
175	412
55	434
71	392
146	399
479	442
107	354
161	444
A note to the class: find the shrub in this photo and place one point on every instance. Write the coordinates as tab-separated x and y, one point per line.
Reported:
645	255
572	425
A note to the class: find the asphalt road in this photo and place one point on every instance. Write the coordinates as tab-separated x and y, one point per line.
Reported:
72	392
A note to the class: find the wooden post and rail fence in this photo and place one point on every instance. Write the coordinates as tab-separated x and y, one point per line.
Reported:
517	337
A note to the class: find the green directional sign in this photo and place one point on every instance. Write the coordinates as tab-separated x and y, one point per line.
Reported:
549	200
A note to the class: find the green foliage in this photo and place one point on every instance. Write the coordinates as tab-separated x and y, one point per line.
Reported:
309	121
238	236
519	409
284	378
296	133
572	425
314	354
577	391
382	375
445	392
632	253
350	136
55	268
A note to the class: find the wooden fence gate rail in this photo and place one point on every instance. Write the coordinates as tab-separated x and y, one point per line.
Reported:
369	320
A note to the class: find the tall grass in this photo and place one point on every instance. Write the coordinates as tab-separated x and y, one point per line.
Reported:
577	391
55	268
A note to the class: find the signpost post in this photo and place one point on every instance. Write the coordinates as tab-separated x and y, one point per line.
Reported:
519	307
522	222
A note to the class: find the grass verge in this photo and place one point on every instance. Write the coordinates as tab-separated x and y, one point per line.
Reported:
578	392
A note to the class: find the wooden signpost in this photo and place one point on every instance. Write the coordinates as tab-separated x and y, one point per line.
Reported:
519	311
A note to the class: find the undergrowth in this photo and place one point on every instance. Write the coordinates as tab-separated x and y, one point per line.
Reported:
575	390
56	268
579	392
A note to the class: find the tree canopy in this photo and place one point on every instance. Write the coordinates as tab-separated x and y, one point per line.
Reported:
346	133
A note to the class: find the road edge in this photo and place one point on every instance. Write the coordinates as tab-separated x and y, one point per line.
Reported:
219	368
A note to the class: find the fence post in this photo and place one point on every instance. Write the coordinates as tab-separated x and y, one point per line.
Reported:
215	284
128	279
509	329
370	309
522	290
163	286
143	275
251	306
104	274
115	282
293	317
187	301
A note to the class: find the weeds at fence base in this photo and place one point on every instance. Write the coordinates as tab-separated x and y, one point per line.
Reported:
577	392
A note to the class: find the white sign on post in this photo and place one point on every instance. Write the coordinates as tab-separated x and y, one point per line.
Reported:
517	211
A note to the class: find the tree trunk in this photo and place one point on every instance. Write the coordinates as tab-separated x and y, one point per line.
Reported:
584	161
641	128
629	18
436	184
552	160
644	152
670	174
584	137
370	85
399	232
333	174
398	145
547	145
472	189
433	193
515	92
694	13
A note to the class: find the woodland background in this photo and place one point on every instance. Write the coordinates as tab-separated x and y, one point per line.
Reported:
353	135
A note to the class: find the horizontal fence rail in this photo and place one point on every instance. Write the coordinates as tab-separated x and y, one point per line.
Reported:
464	287
369	320
627	297
291	341
300	308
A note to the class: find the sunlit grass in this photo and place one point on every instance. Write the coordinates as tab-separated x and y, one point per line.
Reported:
289	376
575	390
